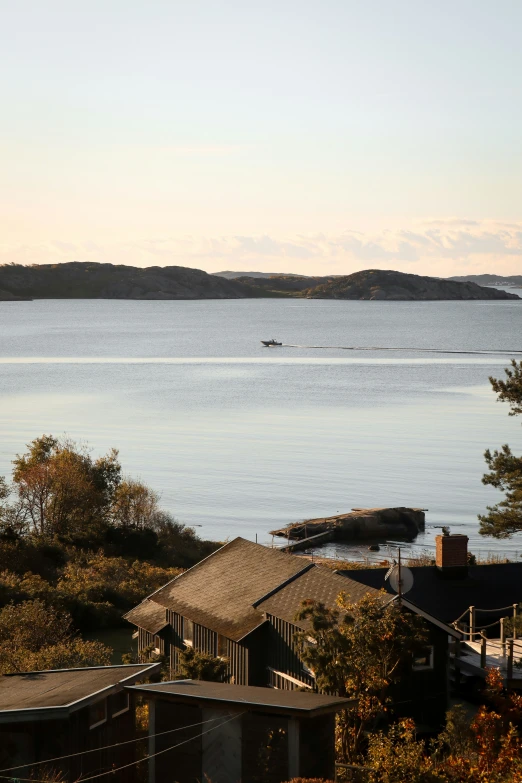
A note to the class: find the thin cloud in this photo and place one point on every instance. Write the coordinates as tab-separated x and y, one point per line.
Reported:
442	247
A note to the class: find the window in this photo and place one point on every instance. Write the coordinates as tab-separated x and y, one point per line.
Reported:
97	713
188	632
222	646
423	660
119	703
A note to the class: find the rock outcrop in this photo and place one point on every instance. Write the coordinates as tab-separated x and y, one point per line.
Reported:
387	285
360	524
108	281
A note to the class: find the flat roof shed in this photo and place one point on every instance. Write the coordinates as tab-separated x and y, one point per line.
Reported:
223	732
81	721
56	693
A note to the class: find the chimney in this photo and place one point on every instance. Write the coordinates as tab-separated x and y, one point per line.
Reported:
451	556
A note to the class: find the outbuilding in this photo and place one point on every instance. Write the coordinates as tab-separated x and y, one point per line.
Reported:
76	722
230	733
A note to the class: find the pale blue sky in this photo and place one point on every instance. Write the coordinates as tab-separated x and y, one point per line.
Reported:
306	136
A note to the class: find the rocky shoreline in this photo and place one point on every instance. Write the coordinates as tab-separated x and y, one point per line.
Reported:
358	524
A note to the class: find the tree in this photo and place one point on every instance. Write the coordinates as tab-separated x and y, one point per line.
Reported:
397	756
34	636
359	651
505	518
61	490
135	505
195	665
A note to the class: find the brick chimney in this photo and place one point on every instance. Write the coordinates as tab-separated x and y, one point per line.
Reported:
451	556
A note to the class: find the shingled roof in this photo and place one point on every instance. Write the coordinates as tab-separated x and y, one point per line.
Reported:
148	615
220	591
485	587
318	583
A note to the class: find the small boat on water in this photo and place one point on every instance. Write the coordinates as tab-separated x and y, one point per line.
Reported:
269	343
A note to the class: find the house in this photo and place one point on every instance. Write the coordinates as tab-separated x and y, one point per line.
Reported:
423	690
449	588
240	603
71	715
212	607
226	733
476	599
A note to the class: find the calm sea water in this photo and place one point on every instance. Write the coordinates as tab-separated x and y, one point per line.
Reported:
240	439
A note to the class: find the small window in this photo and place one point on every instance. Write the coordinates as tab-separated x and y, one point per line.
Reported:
97	713
423	660
119	703
222	646
188	632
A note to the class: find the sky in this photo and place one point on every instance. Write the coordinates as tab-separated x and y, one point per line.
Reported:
307	136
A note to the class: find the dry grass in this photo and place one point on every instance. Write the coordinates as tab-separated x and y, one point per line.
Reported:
422	559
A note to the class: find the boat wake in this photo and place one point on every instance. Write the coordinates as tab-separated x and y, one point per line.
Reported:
410	350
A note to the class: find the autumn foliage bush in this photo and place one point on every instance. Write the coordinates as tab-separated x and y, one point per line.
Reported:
34	636
485	749
82	542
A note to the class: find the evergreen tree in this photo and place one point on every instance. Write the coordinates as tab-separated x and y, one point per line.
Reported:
505	518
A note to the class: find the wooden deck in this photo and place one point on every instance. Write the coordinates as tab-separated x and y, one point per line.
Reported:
471	658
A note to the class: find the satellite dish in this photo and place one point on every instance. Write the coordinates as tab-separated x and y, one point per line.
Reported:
406	579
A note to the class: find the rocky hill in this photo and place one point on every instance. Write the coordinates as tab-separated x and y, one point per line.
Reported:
283	284
378	284
230	275
87	280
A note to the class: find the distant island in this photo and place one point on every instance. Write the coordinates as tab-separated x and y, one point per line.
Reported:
87	280
510	280
375	285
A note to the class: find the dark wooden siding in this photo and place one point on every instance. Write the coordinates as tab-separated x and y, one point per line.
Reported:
237	655
257	645
46	739
264	748
183	763
423	695
206	640
176	639
317	747
146	639
283	656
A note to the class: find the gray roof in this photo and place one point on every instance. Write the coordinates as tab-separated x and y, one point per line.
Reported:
63	690
248	696
318	583
148	615
489	587
220	591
